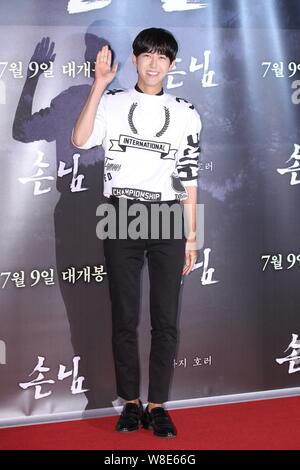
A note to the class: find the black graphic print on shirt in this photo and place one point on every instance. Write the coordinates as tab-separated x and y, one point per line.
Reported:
134	129
191	106
124	141
188	163
136	193
114	91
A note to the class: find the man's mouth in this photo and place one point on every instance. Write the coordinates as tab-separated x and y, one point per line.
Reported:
152	74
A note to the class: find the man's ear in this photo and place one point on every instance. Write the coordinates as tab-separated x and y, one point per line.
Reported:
172	64
133	58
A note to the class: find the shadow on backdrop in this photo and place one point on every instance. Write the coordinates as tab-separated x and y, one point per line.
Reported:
87	304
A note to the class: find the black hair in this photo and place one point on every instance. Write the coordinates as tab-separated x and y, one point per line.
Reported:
155	40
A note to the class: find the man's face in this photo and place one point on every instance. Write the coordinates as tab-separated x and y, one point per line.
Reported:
152	68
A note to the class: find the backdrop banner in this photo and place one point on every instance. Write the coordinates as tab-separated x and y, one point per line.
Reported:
239	64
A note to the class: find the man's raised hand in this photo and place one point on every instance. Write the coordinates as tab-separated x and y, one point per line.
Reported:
103	71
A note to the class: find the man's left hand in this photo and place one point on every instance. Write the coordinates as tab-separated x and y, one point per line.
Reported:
190	257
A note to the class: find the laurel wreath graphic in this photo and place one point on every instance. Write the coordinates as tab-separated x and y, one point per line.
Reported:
159	133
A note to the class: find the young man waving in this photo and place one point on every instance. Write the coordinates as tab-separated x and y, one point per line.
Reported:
151	144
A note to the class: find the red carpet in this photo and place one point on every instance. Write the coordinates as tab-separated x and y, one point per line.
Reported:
266	424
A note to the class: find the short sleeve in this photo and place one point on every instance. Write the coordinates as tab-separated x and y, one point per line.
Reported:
189	150
99	130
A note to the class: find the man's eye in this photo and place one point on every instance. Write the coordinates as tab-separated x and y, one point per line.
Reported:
162	57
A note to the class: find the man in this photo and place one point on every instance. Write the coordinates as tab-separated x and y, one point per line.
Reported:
151	143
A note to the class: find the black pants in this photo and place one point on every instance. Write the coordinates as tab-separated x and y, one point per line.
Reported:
124	261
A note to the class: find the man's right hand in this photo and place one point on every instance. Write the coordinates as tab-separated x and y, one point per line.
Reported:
104	74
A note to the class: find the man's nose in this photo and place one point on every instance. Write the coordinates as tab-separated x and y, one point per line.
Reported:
153	61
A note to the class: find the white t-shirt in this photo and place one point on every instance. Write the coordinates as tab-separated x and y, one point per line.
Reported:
151	144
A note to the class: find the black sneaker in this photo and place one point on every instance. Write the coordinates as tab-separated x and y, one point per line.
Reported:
159	420
130	418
